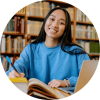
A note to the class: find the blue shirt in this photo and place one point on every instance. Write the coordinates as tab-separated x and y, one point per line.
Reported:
46	64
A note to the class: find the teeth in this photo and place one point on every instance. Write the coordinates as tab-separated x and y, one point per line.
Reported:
53	30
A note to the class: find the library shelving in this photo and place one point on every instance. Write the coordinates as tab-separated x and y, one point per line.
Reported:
87	39
84	23
20	28
11	33
5	53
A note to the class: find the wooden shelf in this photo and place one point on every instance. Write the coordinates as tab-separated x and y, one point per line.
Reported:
87	39
94	54
13	33
37	17
34	35
84	23
9	53
23	15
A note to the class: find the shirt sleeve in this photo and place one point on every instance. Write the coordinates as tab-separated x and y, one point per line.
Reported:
80	59
23	62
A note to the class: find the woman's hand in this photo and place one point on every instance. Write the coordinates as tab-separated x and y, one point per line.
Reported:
56	83
14	74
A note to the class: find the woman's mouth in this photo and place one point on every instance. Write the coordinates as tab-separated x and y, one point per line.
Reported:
53	30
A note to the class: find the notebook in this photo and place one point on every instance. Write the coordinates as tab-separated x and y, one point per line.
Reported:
86	73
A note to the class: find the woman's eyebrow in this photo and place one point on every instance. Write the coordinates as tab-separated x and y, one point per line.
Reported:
60	18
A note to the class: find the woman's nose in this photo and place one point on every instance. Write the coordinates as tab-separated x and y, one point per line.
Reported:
55	24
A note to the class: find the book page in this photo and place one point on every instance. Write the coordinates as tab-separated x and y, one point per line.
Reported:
42	86
35	93
32	89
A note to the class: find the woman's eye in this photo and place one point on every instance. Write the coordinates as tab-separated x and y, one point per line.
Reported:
51	19
61	23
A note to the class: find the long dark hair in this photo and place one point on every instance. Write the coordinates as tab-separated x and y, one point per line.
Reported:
65	39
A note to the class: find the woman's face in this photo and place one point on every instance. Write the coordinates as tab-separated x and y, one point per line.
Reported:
55	24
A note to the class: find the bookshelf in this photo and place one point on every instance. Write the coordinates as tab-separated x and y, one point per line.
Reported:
9	53
87	39
78	18
11	33
84	23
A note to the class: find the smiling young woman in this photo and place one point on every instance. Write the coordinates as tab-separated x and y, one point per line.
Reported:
52	57
54	28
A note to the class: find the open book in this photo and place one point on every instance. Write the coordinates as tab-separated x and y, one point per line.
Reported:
36	87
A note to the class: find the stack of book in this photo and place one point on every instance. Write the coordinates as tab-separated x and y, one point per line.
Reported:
90	47
6	64
46	8
16	25
12	45
71	12
34	9
80	16
42	8
83	31
33	27
38	9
